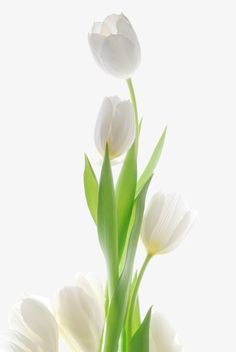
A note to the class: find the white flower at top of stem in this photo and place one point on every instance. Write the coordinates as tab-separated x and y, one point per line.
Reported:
162	335
115	46
115	126
79	311
166	223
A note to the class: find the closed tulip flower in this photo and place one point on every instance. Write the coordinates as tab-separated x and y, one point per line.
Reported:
115	46
79	311
115	126
162	336
166	223
33	328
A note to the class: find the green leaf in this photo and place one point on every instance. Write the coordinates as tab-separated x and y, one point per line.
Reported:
148	171
131	326
125	193
107	222
91	188
140	126
118	305
140	340
136	316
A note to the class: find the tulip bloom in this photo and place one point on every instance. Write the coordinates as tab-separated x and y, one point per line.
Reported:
162	336
115	126
33	327
166	223
80	314
115	46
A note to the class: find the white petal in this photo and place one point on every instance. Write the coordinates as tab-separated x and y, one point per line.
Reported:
181	231
101	28
93	287
33	320
79	316
103	125
163	337
115	100
40	320
119	56
111	22
96	42
97	26
152	215
123	129
125	28
17	323
15	338
172	211
10	347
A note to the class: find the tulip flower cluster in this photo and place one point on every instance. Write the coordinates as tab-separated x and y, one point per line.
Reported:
89	316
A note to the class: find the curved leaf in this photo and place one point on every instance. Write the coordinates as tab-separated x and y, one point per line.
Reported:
91	188
107	222
140	340
125	193
152	163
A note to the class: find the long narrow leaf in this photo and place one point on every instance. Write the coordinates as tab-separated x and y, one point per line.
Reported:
148	171
125	193
140	340
136	316
107	222
118	306
91	188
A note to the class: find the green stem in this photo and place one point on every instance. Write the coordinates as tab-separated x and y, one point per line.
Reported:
134	296
133	100
134	103
101	339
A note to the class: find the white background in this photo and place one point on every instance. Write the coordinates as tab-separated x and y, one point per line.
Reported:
50	92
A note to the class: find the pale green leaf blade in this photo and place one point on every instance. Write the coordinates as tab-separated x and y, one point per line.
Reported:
148	171
136	316
107	222
91	188
140	340
133	325
125	194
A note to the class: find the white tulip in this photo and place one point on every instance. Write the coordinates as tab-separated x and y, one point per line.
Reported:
166	223
162	336
115	46
80	314
33	326
115	126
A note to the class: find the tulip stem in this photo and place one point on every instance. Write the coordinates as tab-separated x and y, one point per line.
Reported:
134	295
134	103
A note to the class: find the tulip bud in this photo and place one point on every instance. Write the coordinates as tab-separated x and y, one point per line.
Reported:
166	223
115	126
34	325
80	315
115	46
162	336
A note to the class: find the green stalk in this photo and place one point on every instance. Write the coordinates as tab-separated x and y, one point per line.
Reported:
134	296
134	103
133	100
